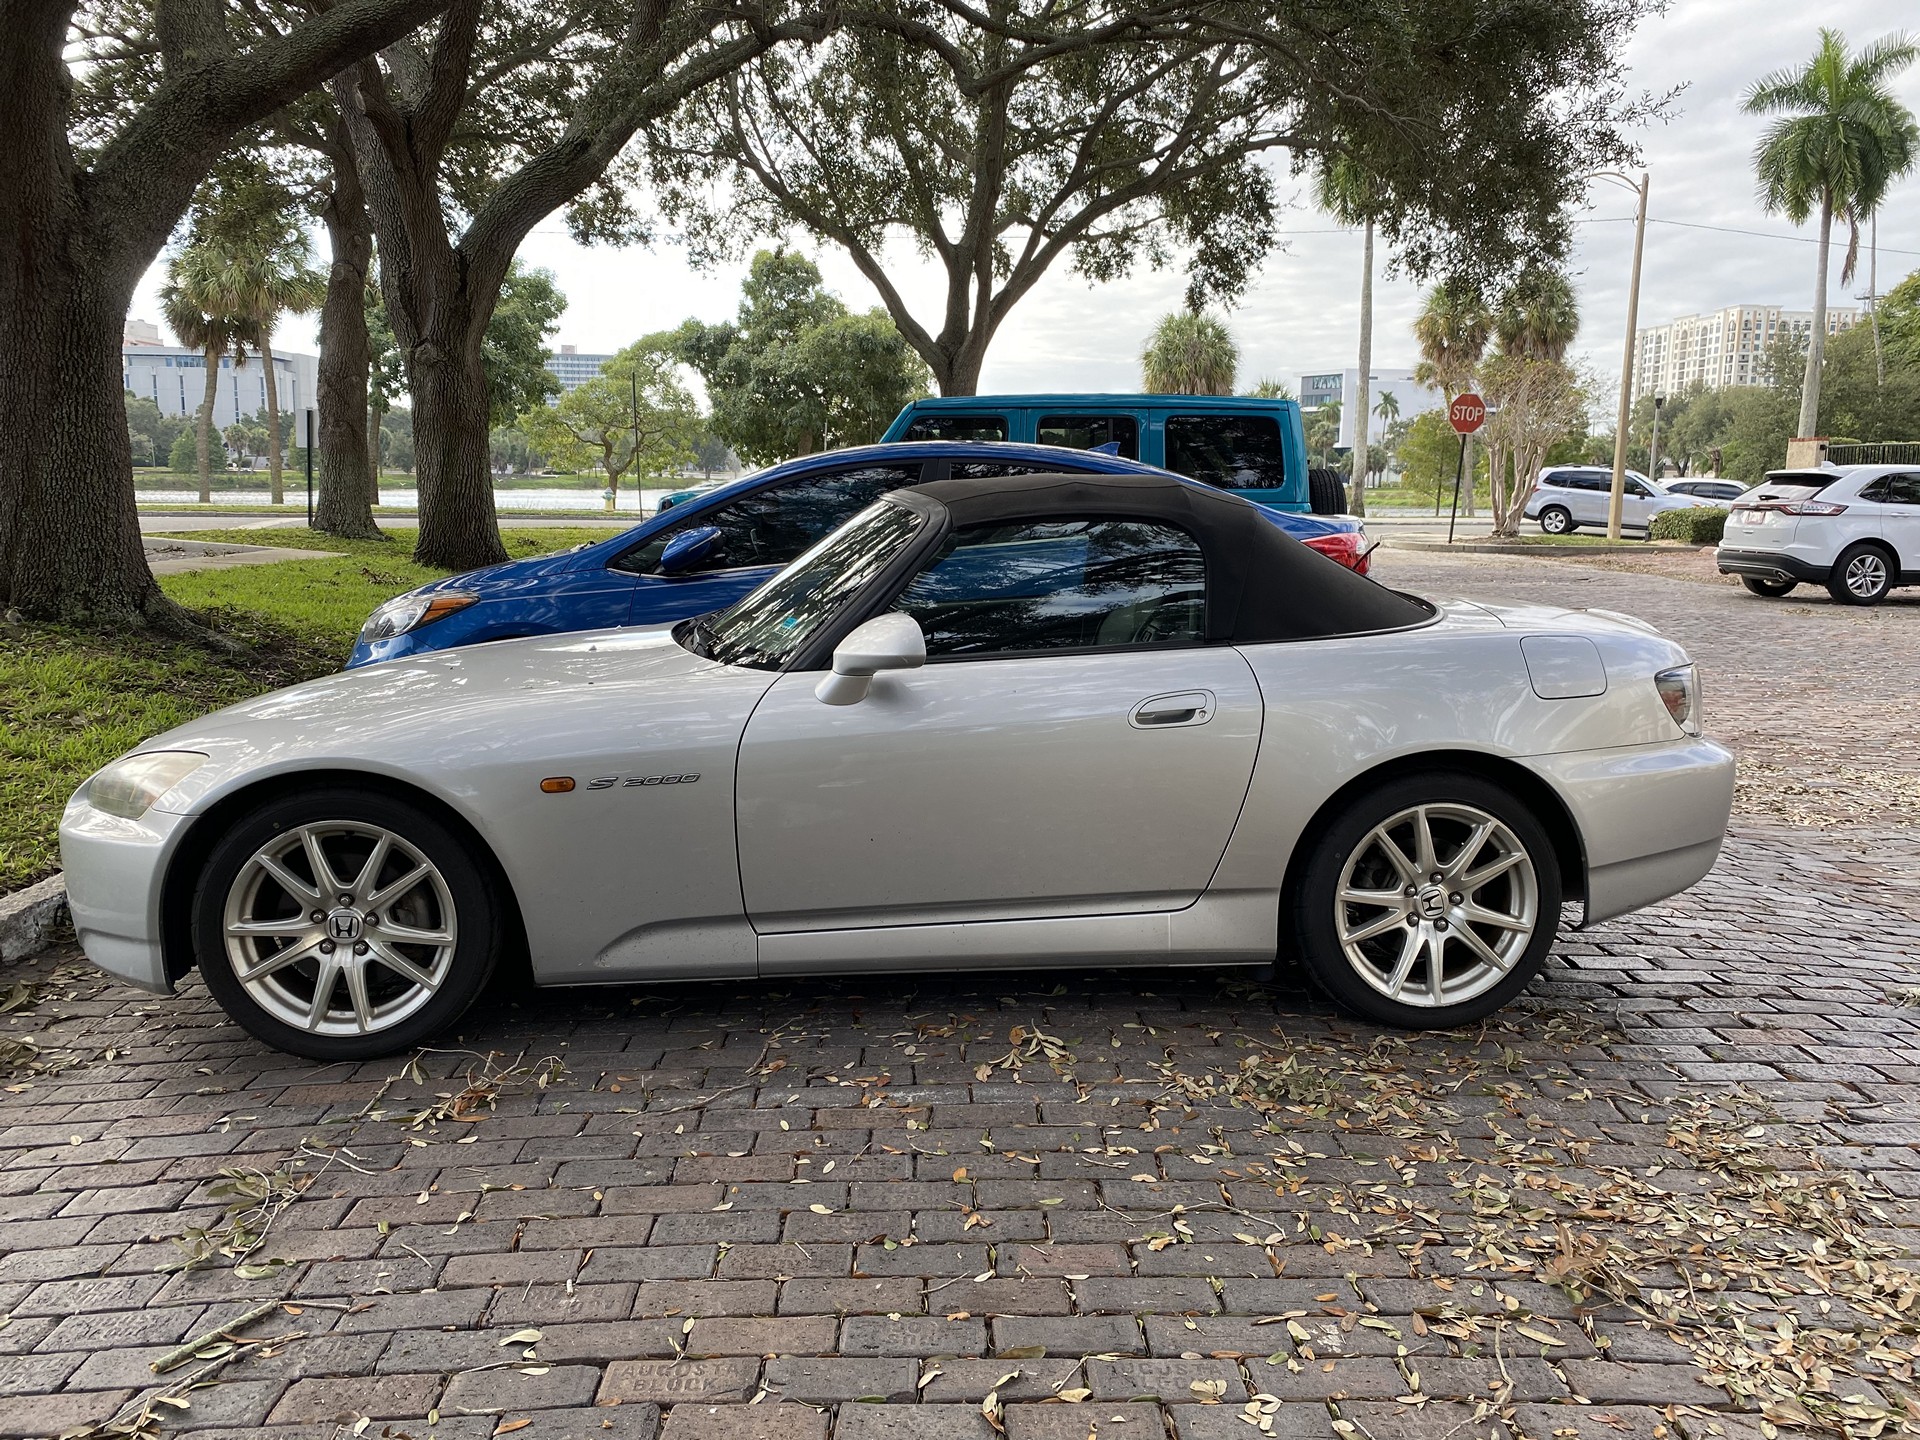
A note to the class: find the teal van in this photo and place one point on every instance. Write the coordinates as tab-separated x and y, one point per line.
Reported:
1255	448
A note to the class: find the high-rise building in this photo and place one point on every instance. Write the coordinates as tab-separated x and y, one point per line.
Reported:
572	369
1728	347
175	378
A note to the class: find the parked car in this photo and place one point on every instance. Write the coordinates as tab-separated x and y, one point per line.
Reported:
717	544
1256	448
1852	528
1014	721
1720	492
1569	496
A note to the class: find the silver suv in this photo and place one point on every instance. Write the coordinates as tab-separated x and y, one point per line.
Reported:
1569	496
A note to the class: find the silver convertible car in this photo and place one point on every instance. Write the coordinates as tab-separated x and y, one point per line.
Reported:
1017	722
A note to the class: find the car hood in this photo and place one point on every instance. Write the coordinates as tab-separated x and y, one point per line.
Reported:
449	704
510	577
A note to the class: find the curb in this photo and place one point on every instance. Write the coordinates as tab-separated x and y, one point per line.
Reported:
29	917
1547	552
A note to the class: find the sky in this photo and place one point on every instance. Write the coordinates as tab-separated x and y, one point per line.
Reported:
1301	313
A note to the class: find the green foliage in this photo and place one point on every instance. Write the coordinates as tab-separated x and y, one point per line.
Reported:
1696	527
1452	331
1429	455
514	348
1899	320
1268	388
183	456
151	435
1323	430
635	415
1189	353
796	371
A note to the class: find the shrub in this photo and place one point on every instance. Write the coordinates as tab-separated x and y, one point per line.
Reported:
1696	527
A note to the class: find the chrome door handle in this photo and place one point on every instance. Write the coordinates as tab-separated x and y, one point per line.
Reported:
1165	712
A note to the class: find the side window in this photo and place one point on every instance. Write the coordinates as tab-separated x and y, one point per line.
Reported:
949	425
1084	432
774	525
1904	489
1634	487
1881	489
994	469
1235	452
1060	585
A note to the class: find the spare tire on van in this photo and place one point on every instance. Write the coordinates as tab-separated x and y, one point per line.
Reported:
1327	491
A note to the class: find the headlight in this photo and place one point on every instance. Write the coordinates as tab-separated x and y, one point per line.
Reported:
410	612
134	785
1680	691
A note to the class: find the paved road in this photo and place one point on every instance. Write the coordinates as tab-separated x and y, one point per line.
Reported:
1676	1183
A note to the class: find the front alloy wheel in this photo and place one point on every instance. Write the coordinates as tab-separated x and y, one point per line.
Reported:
1430	903
1556	520
343	924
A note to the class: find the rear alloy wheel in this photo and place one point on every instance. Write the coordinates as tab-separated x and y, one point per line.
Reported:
1556	520
1772	589
1430	903
1861	576
342	925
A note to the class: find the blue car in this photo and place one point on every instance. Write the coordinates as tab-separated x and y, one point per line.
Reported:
713	546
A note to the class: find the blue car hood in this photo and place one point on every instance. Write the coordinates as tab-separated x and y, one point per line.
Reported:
494	582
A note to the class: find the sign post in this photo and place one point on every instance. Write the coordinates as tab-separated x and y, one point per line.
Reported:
1466	414
309	418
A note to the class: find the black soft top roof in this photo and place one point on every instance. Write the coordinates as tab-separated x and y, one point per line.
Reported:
1262	584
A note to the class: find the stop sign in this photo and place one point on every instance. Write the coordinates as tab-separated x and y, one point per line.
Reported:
1467	413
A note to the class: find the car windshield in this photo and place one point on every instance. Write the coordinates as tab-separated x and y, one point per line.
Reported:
766	627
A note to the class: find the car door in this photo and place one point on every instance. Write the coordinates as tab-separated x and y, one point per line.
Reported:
762	531
1069	749
1900	515
1636	508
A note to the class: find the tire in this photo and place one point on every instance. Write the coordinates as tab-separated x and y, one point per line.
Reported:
1347	855
1326	491
389	986
1861	575
1772	589
1557	520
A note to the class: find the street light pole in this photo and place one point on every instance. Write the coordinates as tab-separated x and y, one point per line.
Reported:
1617	498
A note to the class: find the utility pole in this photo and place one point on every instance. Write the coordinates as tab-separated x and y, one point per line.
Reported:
1617	497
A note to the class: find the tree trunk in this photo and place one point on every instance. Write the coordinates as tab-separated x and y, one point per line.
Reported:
275	492
376	407
345	505
458	528
203	426
1817	342
1357	497
69	533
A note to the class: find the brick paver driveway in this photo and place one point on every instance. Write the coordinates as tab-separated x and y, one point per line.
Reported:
1664	1196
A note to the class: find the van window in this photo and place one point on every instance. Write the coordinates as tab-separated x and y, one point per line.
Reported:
952	425
1083	432
1235	452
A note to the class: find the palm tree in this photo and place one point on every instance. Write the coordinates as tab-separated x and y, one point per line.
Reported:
1538	316
1271	389
277	278
1346	194
1189	354
1841	140
1452	331
1323	430
200	307
1535	322
1387	407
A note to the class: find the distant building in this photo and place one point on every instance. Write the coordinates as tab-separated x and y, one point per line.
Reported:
1727	347
572	369
1334	386
175	378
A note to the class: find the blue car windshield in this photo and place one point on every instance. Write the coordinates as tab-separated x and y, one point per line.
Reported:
765	628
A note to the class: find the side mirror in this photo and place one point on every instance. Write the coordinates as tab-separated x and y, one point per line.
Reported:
692	550
886	642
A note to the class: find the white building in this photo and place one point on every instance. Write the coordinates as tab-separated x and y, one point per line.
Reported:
572	369
175	378
1334	386
1728	347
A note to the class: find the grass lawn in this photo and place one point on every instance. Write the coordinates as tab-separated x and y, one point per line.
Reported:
71	700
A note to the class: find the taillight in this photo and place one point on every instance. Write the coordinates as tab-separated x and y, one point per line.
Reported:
1349	548
1813	507
1678	689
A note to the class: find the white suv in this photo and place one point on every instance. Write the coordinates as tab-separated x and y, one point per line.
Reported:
1853	528
1569	496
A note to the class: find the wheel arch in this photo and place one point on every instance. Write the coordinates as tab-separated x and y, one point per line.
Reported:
1569	851
196	846
1882	544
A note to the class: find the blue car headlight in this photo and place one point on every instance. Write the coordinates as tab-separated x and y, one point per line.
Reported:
409	612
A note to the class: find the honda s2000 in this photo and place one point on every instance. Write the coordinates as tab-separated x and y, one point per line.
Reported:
1022	721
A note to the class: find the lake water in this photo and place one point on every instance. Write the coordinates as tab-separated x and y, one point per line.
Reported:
645	502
